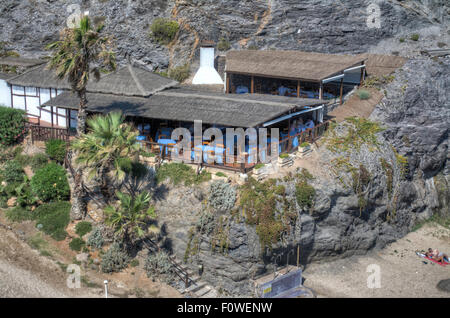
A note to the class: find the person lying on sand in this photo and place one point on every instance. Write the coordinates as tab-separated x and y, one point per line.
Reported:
436	255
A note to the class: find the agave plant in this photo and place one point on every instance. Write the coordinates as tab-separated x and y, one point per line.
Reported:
131	218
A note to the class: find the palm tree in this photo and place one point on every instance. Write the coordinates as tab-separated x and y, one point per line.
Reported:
108	149
132	218
82	51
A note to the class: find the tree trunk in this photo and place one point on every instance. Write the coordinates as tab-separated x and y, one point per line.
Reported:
78	210
81	125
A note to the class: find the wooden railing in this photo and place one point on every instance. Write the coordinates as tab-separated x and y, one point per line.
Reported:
164	152
40	133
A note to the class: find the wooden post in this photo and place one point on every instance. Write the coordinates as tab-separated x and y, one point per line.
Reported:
342	89
252	85
321	91
298	255
298	89
231	82
227	88
361	81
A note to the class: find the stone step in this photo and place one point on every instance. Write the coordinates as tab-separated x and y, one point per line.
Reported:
211	294
203	291
194	287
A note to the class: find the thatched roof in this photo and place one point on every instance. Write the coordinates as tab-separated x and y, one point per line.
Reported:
20	61
189	105
128	81
380	65
6	76
296	65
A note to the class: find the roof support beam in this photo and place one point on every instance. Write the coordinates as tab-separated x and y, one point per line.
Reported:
354	68
334	78
285	117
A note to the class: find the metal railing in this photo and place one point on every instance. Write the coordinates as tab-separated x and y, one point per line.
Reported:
237	164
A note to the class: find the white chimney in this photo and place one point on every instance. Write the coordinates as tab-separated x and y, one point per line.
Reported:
207	74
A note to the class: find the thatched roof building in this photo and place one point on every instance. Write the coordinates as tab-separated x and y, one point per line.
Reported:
181	104
293	65
127	81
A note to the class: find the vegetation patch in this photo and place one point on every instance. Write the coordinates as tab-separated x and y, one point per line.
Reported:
158	264
38	161
83	227
180	172
56	149
415	37
180	73
50	183
389	172
95	239
223	45
164	30
12	125
222	196
115	259
18	214
363	94
270	212
53	218
77	244
12	172
359	131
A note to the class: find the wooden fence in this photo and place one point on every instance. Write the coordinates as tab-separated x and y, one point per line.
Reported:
41	133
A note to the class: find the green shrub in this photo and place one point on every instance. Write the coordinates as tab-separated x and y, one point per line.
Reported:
304	194
402	40
83	228
95	239
115	259
158	264
56	149
223	45
50	183
24	194
222	196
12	172
38	161
178	172
180	73
415	37
76	244
134	263
363	94
259	166
18	214
284	156
12	125
164	30
22	159
53	218
221	174
304	144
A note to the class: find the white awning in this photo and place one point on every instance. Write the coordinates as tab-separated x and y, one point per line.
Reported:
283	118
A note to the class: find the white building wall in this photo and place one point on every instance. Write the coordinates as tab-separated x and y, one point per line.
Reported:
5	94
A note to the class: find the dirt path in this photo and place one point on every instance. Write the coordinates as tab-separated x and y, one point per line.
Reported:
403	274
28	272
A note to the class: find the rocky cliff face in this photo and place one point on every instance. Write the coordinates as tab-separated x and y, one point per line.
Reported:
322	26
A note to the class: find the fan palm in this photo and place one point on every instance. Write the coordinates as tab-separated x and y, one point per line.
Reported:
80	52
131	218
109	147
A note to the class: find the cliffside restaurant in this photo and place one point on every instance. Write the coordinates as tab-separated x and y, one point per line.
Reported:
282	89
